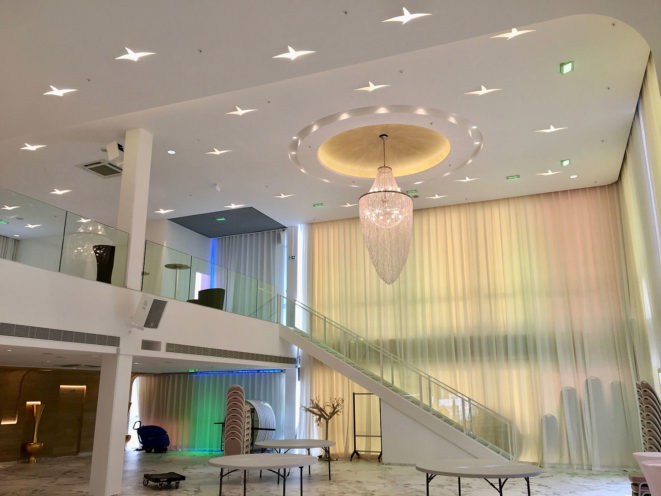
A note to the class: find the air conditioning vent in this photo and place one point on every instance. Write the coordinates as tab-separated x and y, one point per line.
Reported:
103	168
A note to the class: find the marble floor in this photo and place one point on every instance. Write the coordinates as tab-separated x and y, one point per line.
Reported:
68	476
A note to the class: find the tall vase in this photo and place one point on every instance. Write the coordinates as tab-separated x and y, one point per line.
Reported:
105	259
35	446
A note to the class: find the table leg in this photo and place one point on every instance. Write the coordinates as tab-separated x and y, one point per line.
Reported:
278	477
428	479
301	468
220	489
327	451
308	465
528	484
284	481
245	477
459	484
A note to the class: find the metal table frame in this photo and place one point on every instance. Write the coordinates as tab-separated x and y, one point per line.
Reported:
501	483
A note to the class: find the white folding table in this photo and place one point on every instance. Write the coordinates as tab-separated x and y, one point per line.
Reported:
284	445
478	468
275	462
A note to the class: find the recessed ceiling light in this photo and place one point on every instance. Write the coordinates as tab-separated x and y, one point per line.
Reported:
32	226
482	91
282	195
239	111
565	162
233	205
566	67
372	87
7	207
303	170
32	148
406	17
513	34
325	180
513	177
347	205
171	152
418	182
550	129
446	174
216	151
131	55
163	211
548	173
60	191
318	204
573	176
83	220
292	54
468	179
55	92
353	185
436	197
221	219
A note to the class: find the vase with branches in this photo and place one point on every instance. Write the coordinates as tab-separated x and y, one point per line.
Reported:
324	412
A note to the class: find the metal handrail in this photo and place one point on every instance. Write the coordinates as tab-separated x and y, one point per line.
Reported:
399	360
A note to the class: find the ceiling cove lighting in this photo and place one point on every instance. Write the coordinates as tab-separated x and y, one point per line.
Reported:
233	205
548	173
386	218
372	87
134	56
32	148
566	67
60	192
406	16
550	129
55	92
436	197
216	151
513	34
482	91
239	111
163	211
283	196
468	179
7	207
565	162
292	54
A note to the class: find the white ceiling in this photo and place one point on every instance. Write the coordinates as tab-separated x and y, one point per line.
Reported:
214	56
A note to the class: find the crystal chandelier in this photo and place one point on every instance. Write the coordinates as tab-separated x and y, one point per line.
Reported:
386	217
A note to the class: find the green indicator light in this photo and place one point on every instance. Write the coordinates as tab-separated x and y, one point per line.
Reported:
512	178
318	205
565	162
411	191
221	219
3	222
566	67
192	371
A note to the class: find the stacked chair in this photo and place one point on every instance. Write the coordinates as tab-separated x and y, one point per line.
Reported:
649	407
237	423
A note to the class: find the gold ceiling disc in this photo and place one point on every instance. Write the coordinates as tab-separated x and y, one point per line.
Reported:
359	152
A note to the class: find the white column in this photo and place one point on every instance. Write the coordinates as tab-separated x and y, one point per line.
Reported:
111	425
291	385
133	197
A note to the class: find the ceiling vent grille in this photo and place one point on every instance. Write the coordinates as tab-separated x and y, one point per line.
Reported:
103	168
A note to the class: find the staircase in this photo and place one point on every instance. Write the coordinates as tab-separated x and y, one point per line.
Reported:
476	429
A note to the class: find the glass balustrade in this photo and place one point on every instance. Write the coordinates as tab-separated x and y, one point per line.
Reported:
41	235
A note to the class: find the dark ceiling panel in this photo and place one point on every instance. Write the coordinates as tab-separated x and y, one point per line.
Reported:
237	221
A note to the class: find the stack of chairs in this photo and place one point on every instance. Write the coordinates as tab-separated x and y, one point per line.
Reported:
236	422
649	407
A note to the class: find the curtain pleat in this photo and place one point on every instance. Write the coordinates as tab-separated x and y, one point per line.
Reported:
519	303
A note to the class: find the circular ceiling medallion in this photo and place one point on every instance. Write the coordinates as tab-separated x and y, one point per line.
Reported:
345	148
359	152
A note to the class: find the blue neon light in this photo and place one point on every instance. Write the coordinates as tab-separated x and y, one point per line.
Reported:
237	372
212	271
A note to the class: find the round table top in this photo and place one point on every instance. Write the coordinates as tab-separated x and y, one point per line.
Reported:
478	467
295	443
263	461
176	266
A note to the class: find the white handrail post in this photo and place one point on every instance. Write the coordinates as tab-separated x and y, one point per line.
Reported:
344	345
381	362
325	320
279	311
463	413
420	389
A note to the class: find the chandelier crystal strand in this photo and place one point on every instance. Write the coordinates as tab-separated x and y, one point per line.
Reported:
386	218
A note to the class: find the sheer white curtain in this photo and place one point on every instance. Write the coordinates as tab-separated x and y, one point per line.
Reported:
519	303
187	405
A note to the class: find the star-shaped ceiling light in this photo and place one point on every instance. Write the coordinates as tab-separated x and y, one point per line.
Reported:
239	111
216	151
55	92
60	191
550	129
32	226
7	207
347	205
292	54
372	87
482	91
282	195
436	197
548	173
163	211
233	205
83	220
134	56
468	179
406	17
32	148
513	34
